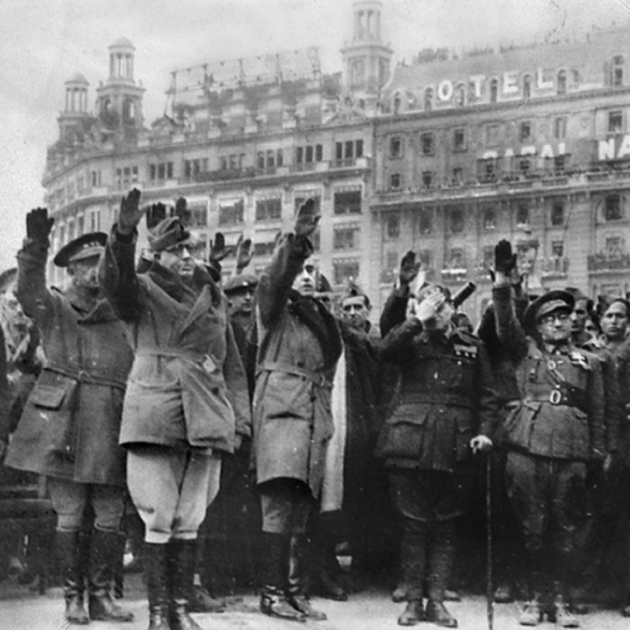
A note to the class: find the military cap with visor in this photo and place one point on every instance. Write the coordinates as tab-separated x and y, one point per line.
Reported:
85	246
547	303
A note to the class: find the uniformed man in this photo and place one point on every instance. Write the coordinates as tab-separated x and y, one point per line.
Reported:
69	428
299	345
446	410
552	430
186	400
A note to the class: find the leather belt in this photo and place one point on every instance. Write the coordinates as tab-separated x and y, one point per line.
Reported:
315	377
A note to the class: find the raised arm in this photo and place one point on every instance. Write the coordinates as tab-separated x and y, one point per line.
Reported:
117	274
31	290
276	281
509	329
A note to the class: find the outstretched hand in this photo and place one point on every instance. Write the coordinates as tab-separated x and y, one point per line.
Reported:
38	225
218	248
409	267
130	212
307	218
244	253
504	258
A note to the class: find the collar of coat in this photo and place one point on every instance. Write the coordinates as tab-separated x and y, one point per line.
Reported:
99	310
321	322
172	284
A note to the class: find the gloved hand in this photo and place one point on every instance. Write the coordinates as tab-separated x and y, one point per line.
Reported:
504	258
130	212
155	213
182	211
218	249
38	225
307	219
409	268
244	253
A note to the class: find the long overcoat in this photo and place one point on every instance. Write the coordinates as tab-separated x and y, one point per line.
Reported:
71	421
187	386
296	362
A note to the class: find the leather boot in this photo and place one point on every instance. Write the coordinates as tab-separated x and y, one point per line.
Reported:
105	547
155	574
326	568
296	578
68	545
273	599
181	559
413	613
441	556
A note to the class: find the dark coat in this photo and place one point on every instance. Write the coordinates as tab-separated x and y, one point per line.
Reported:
187	386
363	412
560	411
71	421
299	345
446	397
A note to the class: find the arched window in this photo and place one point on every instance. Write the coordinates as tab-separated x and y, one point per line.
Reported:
561	85
428	99
494	90
527	86
358	70
617	70
129	112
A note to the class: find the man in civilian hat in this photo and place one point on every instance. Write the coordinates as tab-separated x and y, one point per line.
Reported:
299	345
231	529
552	431
186	400
353	504
69	428
446	411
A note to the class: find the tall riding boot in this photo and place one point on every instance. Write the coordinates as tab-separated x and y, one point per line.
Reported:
155	572
296	579
412	559
105	548
441	557
181	560
274	568
68	544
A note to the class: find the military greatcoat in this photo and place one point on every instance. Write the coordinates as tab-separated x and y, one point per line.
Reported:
71	421
187	386
299	348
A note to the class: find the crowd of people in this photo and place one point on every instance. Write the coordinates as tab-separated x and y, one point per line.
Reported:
255	430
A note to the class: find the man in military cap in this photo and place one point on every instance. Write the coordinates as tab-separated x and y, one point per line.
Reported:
70	424
552	430
186	400
299	345
446	410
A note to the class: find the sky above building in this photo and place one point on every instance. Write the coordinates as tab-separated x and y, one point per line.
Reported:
44	42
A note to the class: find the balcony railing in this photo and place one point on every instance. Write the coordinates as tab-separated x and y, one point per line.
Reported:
605	261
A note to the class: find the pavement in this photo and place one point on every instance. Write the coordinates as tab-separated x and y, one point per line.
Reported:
23	609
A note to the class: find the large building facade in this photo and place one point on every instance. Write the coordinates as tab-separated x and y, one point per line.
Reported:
444	155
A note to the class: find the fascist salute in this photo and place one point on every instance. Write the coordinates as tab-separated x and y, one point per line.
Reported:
186	400
553	430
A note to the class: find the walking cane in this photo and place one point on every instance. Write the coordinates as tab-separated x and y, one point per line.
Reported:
489	588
